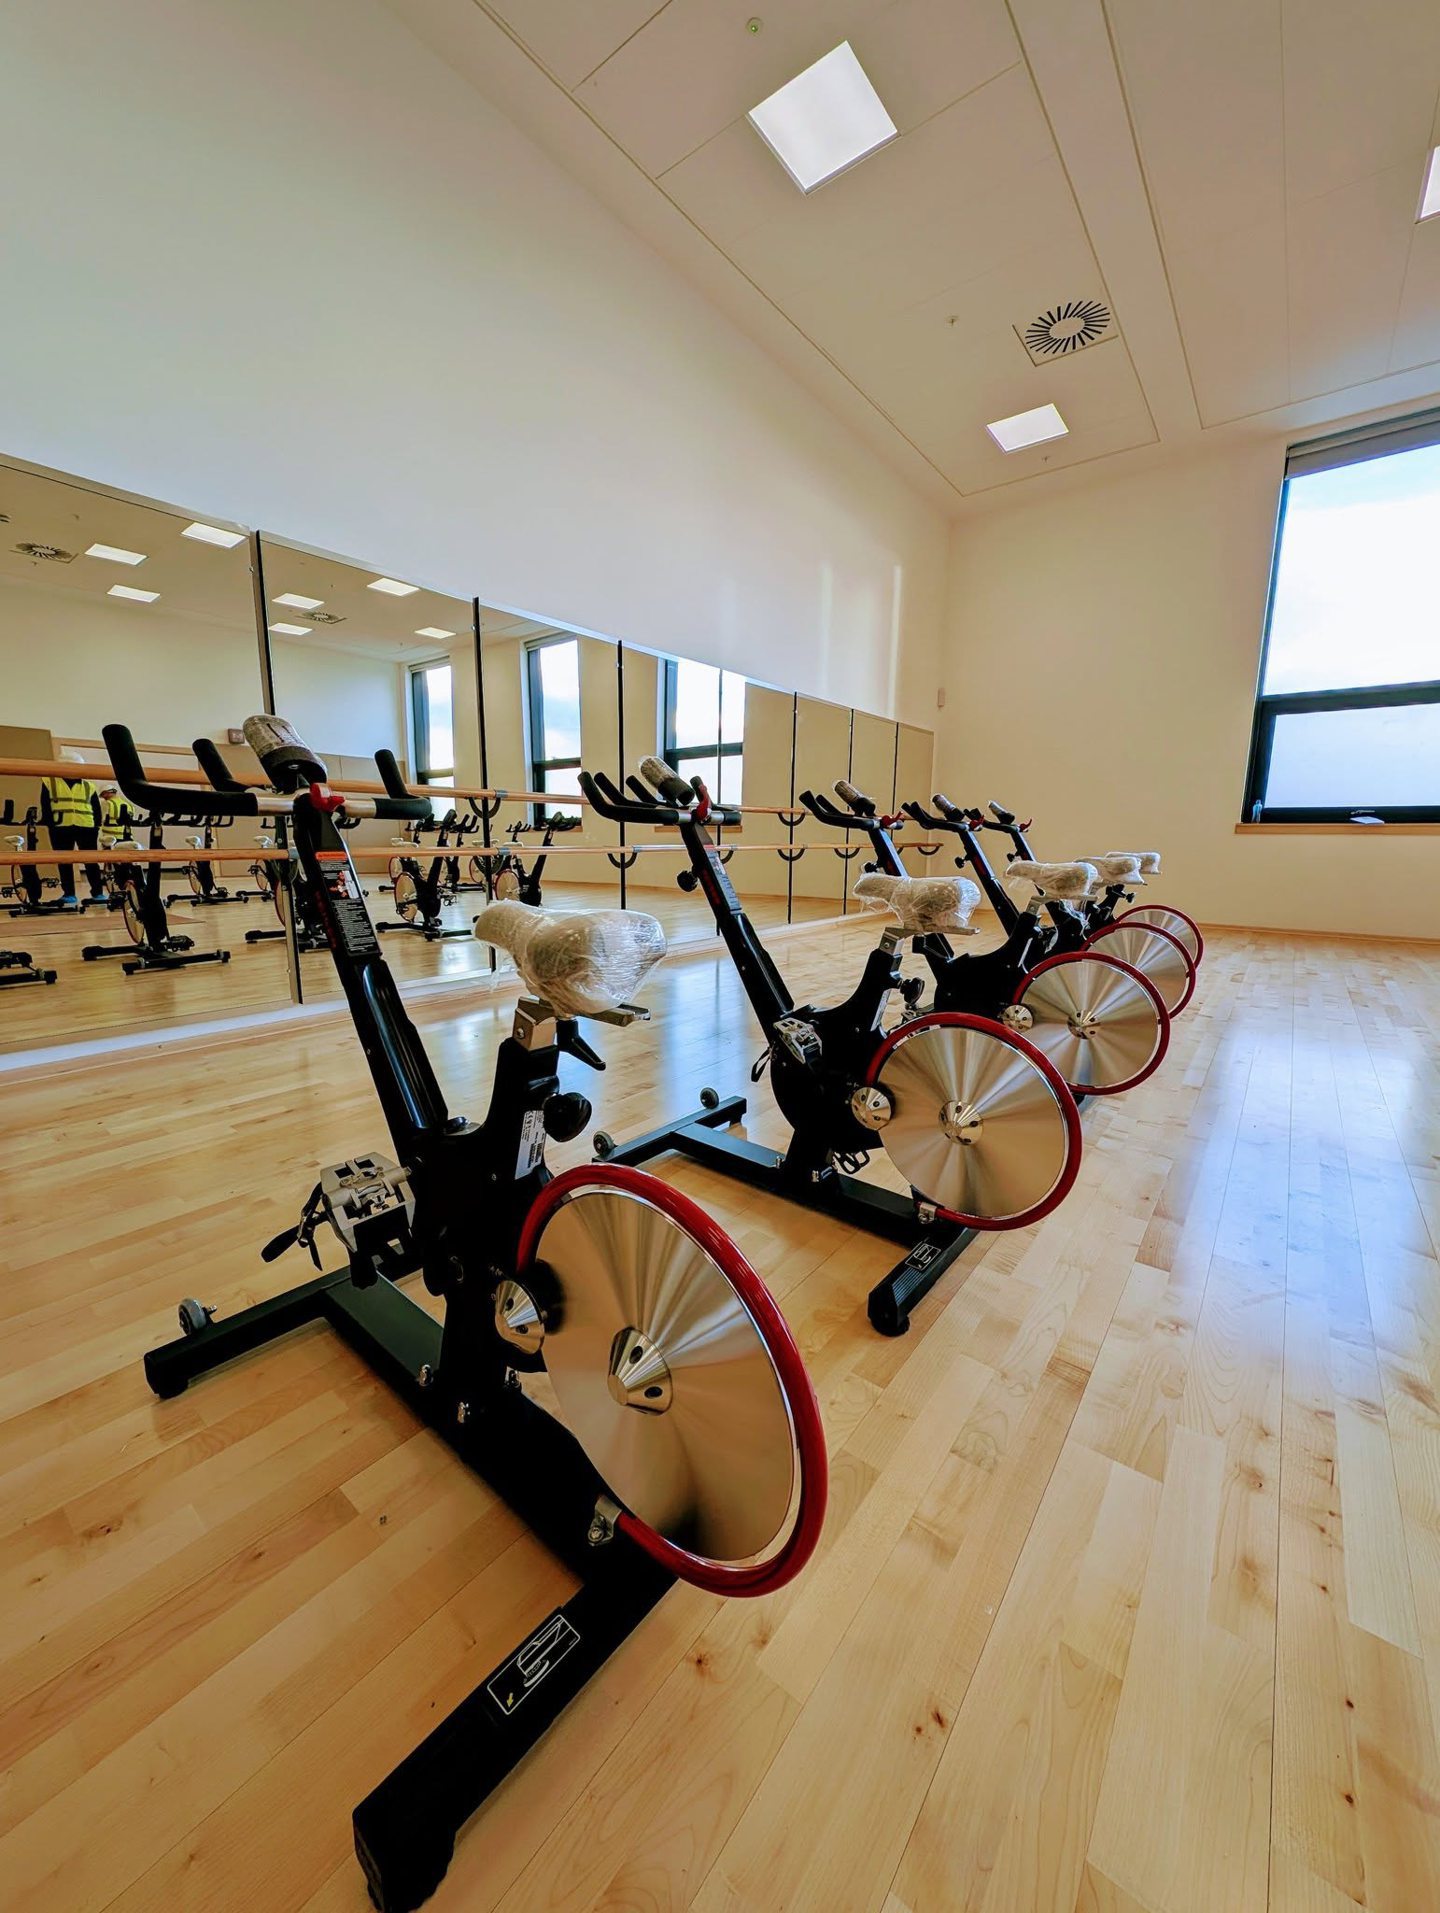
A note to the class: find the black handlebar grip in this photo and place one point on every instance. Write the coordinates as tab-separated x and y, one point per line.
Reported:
167	800
207	753
390	774
667	782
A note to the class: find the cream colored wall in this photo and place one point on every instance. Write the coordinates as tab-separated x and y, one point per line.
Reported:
1101	658
377	319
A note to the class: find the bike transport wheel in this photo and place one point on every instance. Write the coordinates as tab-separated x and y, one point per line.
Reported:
677	1374
1155	953
980	1122
1101	1022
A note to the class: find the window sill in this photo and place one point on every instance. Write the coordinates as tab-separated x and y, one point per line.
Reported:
1337	830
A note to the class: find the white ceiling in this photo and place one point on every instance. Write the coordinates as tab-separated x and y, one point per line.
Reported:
209	585
1237	179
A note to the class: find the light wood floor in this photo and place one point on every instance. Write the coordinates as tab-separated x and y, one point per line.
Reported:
1130	1594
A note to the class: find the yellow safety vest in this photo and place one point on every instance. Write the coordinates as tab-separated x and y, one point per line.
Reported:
71	804
113	829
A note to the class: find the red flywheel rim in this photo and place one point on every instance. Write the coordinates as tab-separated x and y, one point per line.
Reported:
754	1578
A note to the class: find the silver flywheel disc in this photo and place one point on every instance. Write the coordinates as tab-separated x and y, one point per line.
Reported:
663	1377
977	1125
1095	1020
1161	916
1154	953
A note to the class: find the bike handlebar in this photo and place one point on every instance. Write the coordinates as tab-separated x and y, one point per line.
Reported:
207	755
176	803
827	813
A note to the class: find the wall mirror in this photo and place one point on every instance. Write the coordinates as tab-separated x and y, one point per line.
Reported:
114	611
362	662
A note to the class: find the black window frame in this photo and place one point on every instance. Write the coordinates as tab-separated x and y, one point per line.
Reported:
540	764
677	754
425	771
1355	447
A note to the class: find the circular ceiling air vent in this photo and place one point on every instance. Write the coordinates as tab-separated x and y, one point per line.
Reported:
1066	328
51	554
322	617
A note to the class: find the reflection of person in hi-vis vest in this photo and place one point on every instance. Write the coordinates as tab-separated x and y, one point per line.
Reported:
114	818
70	811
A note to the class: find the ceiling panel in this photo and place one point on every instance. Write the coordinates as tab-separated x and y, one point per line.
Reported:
694	68
1360	84
1417	323
573	37
1346	255
1232	299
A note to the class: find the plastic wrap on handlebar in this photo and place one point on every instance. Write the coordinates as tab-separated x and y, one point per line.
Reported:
862	805
1001	815
166	799
288	760
664	779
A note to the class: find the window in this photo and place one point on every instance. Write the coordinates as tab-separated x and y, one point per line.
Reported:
432	719
1347	724
705	726
553	691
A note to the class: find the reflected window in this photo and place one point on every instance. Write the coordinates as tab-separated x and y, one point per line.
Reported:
432	718
1347	723
704	727
552	674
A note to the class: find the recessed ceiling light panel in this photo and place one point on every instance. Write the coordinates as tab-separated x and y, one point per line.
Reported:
1027	428
393	586
291	630
297	603
129	591
1430	192
117	554
824	120
432	631
213	535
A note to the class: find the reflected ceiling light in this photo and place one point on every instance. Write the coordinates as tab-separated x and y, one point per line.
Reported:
393	586
129	591
297	603
292	630
1028	428
213	535
1430	193
117	554
824	120
432	631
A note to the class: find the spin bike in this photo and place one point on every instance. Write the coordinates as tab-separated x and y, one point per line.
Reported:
1140	938
200	876
422	886
26	888
152	944
503	871
1101	1023
692	1447
978	1122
